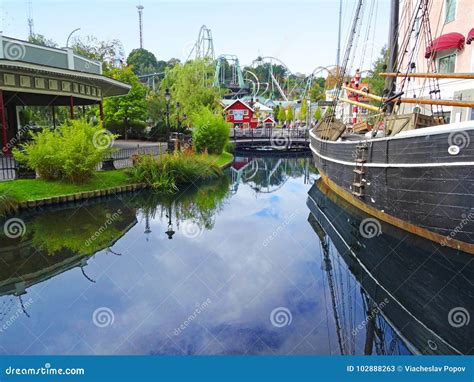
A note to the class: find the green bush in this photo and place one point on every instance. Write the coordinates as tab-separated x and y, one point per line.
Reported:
169	171
230	147
210	132
71	152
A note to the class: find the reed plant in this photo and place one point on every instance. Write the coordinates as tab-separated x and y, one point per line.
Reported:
170	171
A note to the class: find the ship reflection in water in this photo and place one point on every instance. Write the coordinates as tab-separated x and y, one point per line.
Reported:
413	290
244	273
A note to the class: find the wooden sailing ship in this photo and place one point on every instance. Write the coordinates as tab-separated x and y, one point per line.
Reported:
411	170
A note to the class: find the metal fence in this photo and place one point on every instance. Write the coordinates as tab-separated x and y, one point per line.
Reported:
268	133
122	158
8	167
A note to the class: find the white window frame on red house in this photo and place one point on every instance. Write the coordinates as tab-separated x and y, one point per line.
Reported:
246	112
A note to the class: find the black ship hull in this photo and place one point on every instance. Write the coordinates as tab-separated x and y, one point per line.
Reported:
413	283
420	181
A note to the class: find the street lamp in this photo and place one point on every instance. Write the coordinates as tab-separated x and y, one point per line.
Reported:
167	98
70	34
178	106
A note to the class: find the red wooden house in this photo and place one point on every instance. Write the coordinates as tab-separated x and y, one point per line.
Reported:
241	115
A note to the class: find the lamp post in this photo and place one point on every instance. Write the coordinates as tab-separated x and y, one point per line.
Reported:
70	34
178	106
167	98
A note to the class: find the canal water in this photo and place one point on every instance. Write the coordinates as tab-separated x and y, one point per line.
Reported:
265	261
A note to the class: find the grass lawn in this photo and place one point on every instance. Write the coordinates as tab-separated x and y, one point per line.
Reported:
32	189
23	190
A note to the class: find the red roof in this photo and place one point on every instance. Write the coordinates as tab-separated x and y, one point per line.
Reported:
452	40
470	36
240	102
269	119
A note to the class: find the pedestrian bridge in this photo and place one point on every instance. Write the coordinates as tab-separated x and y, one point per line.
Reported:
294	140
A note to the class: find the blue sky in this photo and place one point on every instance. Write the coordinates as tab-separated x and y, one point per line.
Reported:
302	33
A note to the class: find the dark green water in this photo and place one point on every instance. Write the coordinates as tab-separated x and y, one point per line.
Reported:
253	267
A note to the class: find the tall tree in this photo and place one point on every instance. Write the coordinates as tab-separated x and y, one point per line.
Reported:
318	114
289	114
108	52
375	81
131	107
143	61
191	84
303	113
281	114
39	39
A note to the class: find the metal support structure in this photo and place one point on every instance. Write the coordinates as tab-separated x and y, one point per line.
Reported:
140	23
5	148
101	112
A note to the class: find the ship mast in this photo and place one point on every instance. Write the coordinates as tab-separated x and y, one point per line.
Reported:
393	49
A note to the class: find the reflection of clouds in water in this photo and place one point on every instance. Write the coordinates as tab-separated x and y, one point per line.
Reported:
154	286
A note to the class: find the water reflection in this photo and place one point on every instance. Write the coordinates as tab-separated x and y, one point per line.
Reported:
410	287
241	250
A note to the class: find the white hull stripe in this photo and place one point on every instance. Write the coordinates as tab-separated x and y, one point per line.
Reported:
424	132
391	165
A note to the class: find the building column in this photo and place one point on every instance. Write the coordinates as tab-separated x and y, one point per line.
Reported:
3	118
101	112
53	111
71	107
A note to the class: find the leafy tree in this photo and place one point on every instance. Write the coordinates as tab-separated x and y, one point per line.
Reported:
276	112
375	81
303	113
128	108
39	39
289	114
191	84
143	61
108	52
281	114
318	114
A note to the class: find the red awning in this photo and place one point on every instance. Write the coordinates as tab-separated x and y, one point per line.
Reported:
447	41
470	36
